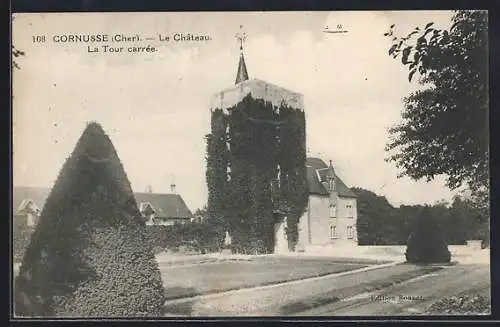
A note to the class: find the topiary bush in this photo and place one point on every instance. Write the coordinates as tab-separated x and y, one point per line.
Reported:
89	255
426	243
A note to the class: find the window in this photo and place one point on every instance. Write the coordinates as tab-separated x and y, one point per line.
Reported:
349	211
333	232
30	219
350	232
333	211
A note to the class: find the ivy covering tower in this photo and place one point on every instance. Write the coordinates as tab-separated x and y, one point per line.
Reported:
88	256
216	174
256	156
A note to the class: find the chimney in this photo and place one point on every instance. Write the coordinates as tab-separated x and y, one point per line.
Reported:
172	184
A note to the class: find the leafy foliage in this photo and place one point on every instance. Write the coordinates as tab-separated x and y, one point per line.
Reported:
464	304
293	180
379	223
264	159
201	237
126	282
253	161
216	175
445	123
21	237
16	53
468	221
426	243
88	255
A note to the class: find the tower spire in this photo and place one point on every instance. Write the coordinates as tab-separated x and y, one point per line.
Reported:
242	74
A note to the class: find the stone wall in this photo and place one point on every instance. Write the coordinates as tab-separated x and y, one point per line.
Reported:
377	251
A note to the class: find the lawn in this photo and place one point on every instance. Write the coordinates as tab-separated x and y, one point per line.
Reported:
213	275
207	278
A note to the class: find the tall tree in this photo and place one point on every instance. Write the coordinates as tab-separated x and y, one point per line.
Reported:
467	221
445	123
89	255
379	223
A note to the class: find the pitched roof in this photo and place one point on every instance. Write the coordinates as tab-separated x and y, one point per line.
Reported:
166	205
315	167
36	194
316	163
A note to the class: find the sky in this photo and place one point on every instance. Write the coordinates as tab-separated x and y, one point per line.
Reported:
156	106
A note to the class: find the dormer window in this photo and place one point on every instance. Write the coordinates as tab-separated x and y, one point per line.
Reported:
147	210
326	176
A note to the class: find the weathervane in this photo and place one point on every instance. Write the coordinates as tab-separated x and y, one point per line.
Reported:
241	36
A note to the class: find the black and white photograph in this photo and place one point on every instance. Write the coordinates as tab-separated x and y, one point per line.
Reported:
250	164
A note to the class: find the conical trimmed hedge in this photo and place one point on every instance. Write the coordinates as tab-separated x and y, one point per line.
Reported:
88	256
426	243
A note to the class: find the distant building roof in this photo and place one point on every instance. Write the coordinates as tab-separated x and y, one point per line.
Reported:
165	205
316	169
23	193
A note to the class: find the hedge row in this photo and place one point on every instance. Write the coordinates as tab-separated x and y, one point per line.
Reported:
201	237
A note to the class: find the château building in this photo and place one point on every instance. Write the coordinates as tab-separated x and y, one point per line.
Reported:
331	214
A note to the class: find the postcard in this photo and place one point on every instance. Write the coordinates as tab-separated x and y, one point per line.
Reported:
237	164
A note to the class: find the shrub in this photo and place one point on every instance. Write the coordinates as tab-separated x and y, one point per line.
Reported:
89	256
426	243
464	304
202	237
